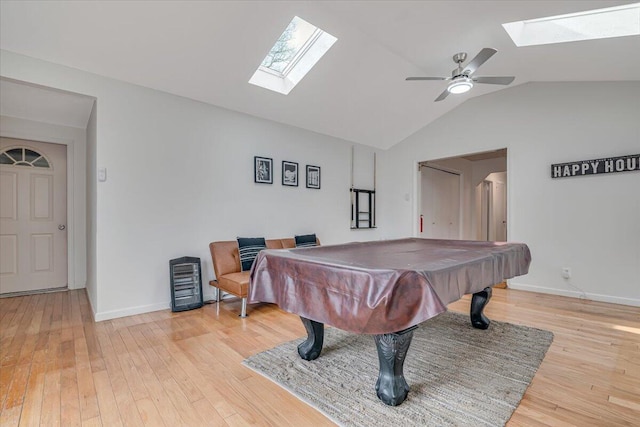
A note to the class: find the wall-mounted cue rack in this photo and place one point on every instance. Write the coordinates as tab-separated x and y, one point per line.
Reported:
363	201
363	208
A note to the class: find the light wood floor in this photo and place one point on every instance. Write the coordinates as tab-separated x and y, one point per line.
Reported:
58	367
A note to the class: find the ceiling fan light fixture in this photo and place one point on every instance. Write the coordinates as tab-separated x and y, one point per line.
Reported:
460	85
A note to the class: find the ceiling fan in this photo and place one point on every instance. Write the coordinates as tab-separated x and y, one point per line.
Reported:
462	79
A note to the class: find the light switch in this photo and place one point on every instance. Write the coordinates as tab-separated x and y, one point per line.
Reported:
102	174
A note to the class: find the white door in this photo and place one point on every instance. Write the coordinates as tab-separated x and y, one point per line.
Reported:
33	215
484	199
440	204
500	211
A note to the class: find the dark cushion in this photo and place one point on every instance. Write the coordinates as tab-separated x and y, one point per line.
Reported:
248	248
306	240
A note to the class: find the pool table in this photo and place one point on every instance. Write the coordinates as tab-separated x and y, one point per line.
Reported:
383	288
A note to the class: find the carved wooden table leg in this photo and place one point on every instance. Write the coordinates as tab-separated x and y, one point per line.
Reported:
391	386
478	301
311	348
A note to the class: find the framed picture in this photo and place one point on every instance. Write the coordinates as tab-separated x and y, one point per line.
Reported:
263	170
289	173
313	177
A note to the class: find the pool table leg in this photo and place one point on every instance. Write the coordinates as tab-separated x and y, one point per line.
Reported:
391	386
478	301
311	348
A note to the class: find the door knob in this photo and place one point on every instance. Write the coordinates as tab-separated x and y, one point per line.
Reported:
62	227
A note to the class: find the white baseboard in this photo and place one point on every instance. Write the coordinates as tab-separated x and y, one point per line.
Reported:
130	311
113	314
575	294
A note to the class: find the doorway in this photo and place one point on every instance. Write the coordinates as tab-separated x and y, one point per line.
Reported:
33	216
481	196
492	210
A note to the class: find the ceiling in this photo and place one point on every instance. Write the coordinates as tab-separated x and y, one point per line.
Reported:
208	50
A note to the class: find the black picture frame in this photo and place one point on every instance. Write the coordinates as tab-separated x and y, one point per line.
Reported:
263	170
313	177
289	173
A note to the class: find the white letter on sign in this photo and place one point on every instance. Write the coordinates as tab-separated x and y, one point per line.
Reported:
608	166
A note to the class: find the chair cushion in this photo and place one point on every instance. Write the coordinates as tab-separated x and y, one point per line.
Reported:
235	283
248	247
306	240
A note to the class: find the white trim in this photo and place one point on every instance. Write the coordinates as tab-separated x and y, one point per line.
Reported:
508	194
575	294
71	226
114	314
302	51
416	200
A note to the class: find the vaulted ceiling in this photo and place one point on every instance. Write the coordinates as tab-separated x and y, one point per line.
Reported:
207	51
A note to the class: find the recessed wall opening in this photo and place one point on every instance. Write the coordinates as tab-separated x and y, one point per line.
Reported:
37	121
463	197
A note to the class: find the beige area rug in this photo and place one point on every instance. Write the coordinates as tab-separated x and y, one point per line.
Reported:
459	376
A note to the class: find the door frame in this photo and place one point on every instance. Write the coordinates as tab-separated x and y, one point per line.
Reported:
418	194
71	223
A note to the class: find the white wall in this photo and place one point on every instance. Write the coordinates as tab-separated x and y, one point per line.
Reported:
587	223
180	175
74	139
91	199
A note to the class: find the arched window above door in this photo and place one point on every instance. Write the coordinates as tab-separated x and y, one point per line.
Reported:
23	156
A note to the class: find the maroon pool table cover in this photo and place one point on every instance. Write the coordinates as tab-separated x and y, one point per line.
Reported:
382	286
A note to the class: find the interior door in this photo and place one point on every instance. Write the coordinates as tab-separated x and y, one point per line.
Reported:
33	215
484	192
440	203
500	211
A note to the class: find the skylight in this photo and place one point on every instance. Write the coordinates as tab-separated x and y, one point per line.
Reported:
296	51
617	21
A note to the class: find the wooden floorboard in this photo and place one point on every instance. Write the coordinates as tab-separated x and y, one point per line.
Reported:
59	368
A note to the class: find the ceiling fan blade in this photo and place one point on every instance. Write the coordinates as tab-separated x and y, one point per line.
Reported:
504	80
427	78
480	59
442	96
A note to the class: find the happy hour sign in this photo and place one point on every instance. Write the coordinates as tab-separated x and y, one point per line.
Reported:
597	166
